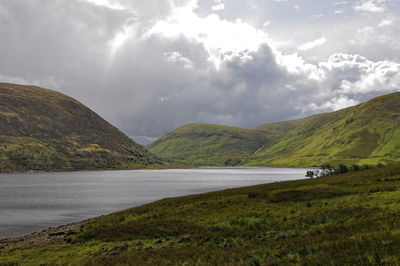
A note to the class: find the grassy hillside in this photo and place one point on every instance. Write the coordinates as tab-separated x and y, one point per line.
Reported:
206	144
42	129
350	219
279	129
365	134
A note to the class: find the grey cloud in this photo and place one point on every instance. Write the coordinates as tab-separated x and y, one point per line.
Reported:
59	40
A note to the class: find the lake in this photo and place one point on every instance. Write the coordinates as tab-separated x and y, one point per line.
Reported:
34	201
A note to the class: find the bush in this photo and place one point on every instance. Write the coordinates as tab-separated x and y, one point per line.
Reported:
232	162
342	169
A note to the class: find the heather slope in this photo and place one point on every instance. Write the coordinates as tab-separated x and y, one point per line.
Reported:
42	129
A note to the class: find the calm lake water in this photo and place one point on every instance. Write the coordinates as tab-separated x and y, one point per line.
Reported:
34	201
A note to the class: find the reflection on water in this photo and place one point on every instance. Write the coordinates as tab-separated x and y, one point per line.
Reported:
35	201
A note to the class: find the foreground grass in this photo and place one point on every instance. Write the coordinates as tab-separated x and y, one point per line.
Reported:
343	220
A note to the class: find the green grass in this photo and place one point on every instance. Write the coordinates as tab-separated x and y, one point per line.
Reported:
365	134
42	129
348	219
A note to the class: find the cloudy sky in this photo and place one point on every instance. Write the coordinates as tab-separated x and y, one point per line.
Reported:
149	66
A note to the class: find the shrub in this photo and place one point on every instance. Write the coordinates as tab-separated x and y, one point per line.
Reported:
342	169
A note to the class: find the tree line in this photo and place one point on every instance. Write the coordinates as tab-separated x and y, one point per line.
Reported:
328	170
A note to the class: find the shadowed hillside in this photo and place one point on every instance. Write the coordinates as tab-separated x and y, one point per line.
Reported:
365	134
42	129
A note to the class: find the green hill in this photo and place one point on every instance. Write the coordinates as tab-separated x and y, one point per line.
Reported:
42	129
206	144
278	129
364	134
349	219
368	133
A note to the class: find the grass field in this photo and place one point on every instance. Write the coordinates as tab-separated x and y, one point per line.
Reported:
346	219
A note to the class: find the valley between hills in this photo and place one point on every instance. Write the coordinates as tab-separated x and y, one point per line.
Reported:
42	129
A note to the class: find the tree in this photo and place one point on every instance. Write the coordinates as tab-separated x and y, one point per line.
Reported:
327	170
310	174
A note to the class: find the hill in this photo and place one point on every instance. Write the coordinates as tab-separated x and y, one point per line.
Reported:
42	129
349	219
368	133
207	144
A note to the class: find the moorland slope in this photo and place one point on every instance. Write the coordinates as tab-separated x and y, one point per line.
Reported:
41	129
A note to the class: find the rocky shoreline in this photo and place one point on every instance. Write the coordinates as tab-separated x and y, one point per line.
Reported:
51	235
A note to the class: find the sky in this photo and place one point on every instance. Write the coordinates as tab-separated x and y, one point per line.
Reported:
150	66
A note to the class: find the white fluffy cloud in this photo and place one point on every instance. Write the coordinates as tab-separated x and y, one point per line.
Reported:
350	79
373	6
219	5
310	45
219	37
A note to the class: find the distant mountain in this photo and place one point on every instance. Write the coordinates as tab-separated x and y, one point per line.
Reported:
368	133
42	129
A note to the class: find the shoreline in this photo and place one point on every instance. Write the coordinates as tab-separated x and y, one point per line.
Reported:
90	170
158	167
298	222
58	234
51	235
